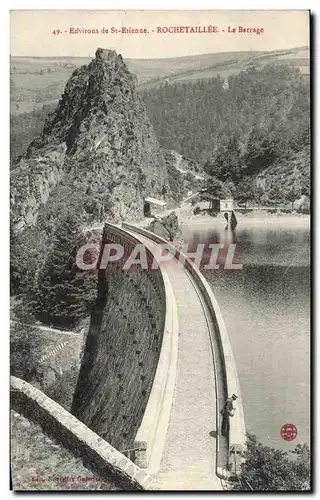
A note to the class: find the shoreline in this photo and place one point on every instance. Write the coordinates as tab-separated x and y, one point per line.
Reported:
247	220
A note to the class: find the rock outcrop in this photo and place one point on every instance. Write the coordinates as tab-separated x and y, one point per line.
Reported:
167	227
99	142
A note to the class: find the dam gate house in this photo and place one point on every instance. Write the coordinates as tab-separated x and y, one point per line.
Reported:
221	205
226	208
226	205
152	206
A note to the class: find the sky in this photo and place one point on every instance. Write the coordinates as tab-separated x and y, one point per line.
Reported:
31	32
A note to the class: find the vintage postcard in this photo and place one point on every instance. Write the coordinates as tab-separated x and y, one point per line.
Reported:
160	250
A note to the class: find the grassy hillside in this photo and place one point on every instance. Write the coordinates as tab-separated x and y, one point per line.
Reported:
225	64
40	81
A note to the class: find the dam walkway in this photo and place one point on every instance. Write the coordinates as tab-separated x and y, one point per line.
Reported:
189	456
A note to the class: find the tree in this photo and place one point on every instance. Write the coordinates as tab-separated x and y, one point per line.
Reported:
171	224
65	293
25	344
276	193
164	190
305	186
245	191
259	193
212	168
227	163
293	193
215	189
233	158
262	150
270	469
27	251
167	227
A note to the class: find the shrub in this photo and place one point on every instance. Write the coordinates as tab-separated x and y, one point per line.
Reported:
271	469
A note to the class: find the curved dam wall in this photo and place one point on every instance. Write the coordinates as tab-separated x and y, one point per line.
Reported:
227	381
122	348
96	454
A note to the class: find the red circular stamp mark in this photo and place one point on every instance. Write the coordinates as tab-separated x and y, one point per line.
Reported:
288	432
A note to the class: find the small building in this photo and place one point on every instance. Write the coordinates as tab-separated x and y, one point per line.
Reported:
261	181
152	206
214	204
226	205
225	84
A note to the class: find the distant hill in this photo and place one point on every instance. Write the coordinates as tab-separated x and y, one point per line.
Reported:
255	123
225	64
37	81
196	119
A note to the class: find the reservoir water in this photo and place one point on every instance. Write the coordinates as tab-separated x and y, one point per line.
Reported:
266	308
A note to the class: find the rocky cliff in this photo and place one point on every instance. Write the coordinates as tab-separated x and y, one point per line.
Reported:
99	143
